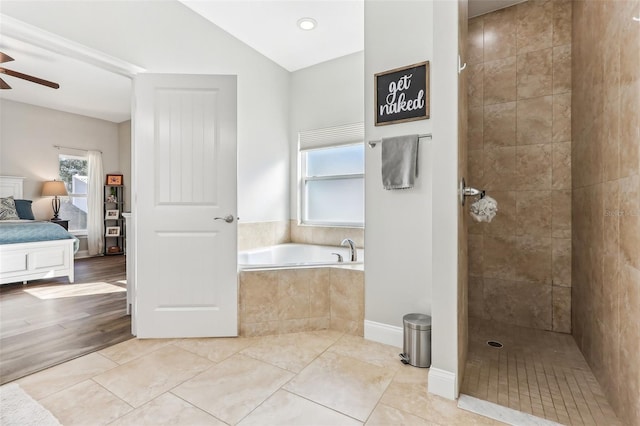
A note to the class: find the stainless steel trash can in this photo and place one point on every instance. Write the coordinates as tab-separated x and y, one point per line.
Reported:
417	340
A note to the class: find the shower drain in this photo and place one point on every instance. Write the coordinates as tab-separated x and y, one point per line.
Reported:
494	344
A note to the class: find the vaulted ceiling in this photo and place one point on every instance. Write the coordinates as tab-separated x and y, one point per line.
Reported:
268	26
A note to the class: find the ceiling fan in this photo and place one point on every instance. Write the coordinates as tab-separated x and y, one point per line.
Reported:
3	85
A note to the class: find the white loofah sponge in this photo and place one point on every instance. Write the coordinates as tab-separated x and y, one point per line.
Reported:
485	209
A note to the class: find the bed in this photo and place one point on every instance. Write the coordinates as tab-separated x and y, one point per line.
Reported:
26	261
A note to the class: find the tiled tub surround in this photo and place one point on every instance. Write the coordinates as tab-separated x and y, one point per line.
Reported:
325	235
606	197
301	299
260	234
519	150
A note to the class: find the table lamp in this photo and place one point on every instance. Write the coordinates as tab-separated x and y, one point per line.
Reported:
54	188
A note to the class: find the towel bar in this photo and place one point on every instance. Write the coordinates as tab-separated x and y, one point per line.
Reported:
372	144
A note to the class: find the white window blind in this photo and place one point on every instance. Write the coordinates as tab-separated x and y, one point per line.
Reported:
345	134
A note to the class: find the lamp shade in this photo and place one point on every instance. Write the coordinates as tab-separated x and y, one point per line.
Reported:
54	188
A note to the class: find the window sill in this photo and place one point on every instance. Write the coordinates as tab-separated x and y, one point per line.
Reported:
330	225
80	234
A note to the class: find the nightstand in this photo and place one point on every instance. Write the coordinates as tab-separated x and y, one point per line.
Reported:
61	222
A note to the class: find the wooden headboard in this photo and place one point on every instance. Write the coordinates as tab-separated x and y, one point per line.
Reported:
11	186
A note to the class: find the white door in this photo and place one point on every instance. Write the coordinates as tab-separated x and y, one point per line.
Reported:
185	177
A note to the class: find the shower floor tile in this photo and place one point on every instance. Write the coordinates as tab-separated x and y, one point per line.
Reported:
537	372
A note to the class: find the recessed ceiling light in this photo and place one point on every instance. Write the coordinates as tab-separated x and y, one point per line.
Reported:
307	24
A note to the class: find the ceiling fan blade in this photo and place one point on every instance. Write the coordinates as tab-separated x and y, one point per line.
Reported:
5	58
4	85
29	78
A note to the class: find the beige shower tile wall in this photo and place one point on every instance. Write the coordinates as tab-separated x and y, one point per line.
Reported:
606	197
463	220
519	151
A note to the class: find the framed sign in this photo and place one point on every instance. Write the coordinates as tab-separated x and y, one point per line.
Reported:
114	179
402	94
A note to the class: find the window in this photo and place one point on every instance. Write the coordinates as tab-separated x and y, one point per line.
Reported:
333	185
74	171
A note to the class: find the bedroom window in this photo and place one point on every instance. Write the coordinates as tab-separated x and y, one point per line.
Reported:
74	171
333	185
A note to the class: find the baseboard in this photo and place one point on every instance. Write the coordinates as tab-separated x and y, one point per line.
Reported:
383	333
81	254
442	383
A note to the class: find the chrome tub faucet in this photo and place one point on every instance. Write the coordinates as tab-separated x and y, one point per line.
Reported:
352	249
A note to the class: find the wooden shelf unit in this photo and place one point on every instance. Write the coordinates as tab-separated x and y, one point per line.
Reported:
114	200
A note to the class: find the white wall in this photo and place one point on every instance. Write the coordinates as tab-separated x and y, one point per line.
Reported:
167	37
444	378
27	136
324	95
124	143
411	235
398	232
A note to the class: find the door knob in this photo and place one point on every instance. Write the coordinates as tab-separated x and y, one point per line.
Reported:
228	218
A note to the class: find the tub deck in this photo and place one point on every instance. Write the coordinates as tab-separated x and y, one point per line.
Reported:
293	255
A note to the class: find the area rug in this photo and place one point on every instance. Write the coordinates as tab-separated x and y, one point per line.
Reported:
17	408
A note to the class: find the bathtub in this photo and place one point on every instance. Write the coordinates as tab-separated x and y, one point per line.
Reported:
291	288
296	256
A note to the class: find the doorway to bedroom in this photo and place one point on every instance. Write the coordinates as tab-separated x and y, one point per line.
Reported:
48	321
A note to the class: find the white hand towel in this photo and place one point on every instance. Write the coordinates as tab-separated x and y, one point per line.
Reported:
485	209
399	161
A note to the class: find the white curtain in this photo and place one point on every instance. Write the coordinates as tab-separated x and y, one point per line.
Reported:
95	223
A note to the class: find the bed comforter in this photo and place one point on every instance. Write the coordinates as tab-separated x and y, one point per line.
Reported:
14	232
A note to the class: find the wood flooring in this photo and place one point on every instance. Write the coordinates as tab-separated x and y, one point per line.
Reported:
50	321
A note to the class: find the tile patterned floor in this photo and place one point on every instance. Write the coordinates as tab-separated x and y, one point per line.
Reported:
315	378
536	372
